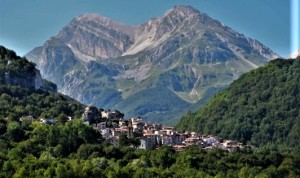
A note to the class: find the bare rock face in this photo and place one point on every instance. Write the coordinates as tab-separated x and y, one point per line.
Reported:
38	81
94	37
157	70
26	80
13	80
91	115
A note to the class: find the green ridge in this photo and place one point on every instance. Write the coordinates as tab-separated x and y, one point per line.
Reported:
261	108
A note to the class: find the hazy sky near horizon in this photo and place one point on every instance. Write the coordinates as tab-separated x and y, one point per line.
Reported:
28	24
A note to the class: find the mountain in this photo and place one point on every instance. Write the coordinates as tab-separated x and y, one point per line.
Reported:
157	70
261	108
23	92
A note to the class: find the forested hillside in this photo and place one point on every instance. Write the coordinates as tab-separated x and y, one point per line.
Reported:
23	92
261	108
73	149
16	102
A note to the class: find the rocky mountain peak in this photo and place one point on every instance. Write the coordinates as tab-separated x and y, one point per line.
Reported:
165	65
158	30
93	17
178	15
97	20
183	11
92	36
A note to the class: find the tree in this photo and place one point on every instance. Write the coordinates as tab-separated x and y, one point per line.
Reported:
163	157
87	150
123	140
2	126
62	118
14	131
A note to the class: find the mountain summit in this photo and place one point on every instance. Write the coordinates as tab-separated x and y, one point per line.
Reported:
93	36
157	70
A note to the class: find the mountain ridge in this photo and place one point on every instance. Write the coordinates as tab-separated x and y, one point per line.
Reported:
183	52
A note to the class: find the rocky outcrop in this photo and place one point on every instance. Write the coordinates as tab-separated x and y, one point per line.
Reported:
38	81
91	115
25	81
18	71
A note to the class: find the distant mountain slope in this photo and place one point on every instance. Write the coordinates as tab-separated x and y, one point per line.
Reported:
22	95
184	53
261	108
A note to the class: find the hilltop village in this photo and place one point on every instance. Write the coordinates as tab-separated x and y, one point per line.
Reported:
112	126
141	134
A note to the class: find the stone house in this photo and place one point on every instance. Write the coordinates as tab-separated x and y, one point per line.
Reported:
145	143
192	141
179	138
167	140
153	138
106	134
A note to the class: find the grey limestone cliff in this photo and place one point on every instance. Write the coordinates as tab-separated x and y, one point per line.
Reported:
31	82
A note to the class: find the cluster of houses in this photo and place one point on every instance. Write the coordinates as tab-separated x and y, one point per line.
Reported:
153	135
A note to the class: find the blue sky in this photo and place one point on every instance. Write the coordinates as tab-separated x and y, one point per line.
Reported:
25	24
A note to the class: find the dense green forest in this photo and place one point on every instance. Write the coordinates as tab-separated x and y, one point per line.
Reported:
16	102
261	108
73	149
